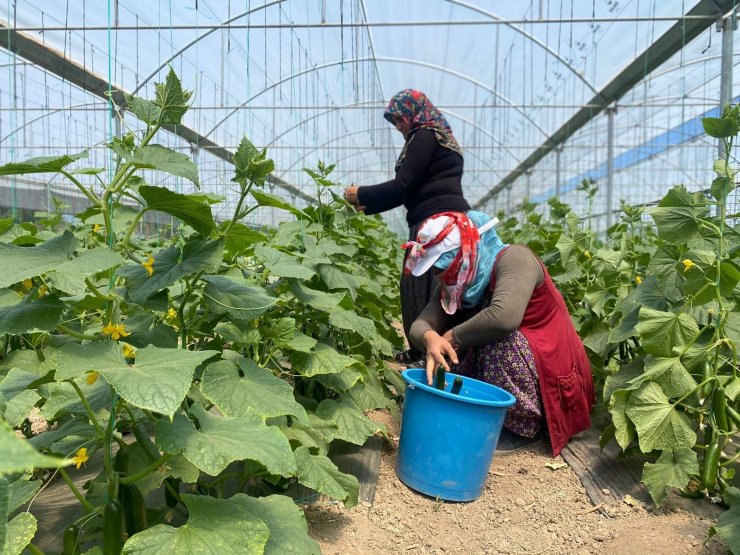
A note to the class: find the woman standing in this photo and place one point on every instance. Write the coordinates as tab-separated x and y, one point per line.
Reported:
428	181
497	303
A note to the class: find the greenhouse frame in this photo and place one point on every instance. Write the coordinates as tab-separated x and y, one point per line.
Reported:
204	342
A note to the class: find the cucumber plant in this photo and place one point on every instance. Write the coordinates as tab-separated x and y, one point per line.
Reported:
223	360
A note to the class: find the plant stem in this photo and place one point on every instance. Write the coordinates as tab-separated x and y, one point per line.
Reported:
64	329
132	227
95	290
181	310
146	471
81	187
243	196
88	409
33	550
81	498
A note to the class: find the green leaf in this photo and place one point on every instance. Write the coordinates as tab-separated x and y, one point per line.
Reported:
241	238
189	208
664	260
669	373
319	473
145	110
62	399
241	302
257	391
672	469
20	532
287	524
348	320
326	302
171	99
323	360
222	440
282	264
352	424
652	294
624	430
728	524
678	215
30	316
70	275
170	265
21	263
301	342
19	455
161	158
42	164
334	278
238	334
157	381
18	408
659	425
214	526
342	381
21	491
720	128
661	332
274	201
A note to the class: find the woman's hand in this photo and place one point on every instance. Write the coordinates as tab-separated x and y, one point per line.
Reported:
350	195
437	346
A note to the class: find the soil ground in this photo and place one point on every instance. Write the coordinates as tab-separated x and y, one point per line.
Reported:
526	508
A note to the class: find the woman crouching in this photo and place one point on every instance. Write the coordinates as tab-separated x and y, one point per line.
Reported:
496	305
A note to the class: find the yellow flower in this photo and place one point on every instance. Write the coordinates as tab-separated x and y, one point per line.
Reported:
171	313
91	377
80	457
587	254
128	351
148	264
43	290
687	265
638	280
27	284
96	228
116	331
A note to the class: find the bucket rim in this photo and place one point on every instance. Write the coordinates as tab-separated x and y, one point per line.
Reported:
507	402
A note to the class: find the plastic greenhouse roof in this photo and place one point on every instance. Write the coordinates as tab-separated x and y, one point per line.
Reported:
309	79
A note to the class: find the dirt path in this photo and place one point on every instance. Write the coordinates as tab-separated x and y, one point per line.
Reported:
526	508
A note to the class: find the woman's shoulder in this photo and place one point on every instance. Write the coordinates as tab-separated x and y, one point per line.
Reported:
519	257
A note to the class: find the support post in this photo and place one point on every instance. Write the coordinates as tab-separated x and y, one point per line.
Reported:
727	27
558	180
508	200
610	166
528	194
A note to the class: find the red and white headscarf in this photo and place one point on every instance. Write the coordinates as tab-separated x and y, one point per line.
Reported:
442	233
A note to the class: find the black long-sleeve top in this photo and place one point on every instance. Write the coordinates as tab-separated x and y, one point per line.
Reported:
427	182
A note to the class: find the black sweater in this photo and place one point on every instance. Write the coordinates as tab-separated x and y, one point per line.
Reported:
427	182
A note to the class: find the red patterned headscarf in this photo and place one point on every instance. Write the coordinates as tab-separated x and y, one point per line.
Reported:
414	108
431	243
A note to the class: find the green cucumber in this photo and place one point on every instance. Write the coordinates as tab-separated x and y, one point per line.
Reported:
456	386
70	540
719	409
134	508
734	415
711	465
112	528
706	389
440	384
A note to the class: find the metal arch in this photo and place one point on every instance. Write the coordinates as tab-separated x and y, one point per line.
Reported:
42	116
381	59
198	38
450	112
356	153
528	36
314	149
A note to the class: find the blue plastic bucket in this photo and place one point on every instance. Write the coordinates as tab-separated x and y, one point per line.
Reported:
447	441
